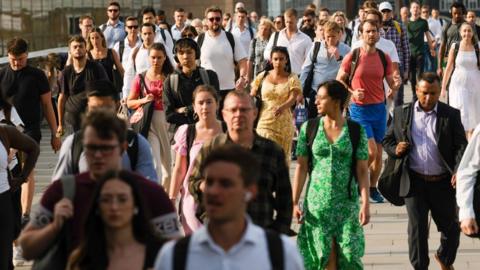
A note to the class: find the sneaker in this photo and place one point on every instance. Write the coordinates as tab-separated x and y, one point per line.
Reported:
376	197
18	259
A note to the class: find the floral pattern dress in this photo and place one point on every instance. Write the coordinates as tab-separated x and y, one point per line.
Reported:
279	129
328	210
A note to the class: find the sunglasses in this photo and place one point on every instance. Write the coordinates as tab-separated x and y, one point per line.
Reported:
217	19
112	10
132	26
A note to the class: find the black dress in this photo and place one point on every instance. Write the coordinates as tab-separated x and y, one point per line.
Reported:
106	62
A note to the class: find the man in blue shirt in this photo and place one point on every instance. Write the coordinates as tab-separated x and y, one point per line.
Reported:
113	29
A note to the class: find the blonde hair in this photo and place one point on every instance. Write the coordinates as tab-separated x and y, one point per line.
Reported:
339	14
266	22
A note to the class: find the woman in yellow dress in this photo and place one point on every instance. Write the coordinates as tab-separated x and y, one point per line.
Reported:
277	88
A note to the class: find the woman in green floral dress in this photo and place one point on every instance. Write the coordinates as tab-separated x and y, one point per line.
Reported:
331	236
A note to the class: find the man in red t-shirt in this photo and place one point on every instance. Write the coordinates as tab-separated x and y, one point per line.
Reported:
104	140
368	106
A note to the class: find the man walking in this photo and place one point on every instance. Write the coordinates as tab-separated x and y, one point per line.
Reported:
274	189
177	28
230	240
368	107
429	135
113	29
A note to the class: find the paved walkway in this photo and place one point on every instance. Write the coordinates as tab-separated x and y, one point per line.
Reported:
386	235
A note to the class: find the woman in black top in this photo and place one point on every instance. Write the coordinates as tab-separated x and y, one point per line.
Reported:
118	232
97	51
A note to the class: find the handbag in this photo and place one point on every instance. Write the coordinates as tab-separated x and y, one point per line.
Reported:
141	119
122	112
56	256
389	182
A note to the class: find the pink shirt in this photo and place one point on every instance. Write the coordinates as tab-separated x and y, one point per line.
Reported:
368	75
154	87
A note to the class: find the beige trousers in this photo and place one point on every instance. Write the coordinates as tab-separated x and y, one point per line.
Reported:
158	139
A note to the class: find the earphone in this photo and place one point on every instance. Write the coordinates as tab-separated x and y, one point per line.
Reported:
193	44
248	196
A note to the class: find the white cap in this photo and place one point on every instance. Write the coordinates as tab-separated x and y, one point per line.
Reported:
385	5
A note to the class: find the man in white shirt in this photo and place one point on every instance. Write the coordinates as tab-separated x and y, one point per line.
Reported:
220	52
241	30
161	36
435	29
125	47
113	29
230	240
297	43
177	28
467	175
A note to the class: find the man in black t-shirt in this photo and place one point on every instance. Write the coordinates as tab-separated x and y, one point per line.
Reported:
27	88
72	101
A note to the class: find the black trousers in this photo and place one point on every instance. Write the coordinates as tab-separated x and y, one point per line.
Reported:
6	231
416	68
439	198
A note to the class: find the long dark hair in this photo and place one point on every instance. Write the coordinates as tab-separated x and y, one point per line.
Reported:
284	51
92	253
167	67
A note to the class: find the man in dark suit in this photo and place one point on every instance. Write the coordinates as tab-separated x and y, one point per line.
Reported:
429	135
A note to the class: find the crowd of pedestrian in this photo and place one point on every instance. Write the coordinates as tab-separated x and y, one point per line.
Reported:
175	142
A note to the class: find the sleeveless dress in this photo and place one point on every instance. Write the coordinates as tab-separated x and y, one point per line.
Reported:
279	129
106	62
464	91
328	210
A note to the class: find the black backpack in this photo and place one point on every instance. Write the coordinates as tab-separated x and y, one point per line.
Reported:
77	149
354	134
307	87
274	243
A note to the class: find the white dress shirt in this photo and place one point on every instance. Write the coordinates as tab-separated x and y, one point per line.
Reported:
177	32
298	47
251	252
467	176
244	36
127	49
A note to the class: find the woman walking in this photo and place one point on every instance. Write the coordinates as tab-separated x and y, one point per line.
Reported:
189	140
331	236
150	85
256	62
277	88
97	50
463	88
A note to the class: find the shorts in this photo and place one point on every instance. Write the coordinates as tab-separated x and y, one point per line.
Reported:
372	117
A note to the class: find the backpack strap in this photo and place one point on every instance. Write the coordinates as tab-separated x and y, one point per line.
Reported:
143	85
203	75
76	151
121	48
316	48
354	134
312	129
191	134
68	186
132	150
174	82
275	250
250	30
231	40
134	56
164	37
200	40
354	64
383	58
180	252
275	39
103	27
398	27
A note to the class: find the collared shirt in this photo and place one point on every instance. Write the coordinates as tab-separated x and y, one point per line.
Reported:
326	67
177	32
298	47
425	157
401	43
244	36
114	33
125	57
467	176
251	252
274	188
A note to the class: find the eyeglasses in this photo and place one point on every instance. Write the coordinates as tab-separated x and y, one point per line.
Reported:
241	110
132	26
217	19
112	10
104	149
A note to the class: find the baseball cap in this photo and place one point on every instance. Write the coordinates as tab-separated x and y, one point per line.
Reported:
385	5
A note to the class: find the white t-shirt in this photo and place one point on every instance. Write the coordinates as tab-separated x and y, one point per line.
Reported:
244	36
298	47
127	49
216	54
435	27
